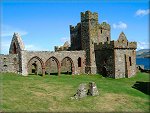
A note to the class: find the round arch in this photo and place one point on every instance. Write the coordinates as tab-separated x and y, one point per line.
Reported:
67	66
52	66
36	64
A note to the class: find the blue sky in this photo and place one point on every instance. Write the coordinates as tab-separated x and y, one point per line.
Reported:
44	24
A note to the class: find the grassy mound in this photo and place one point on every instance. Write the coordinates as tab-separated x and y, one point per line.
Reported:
52	93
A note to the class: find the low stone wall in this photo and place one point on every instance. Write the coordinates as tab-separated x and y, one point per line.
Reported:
9	63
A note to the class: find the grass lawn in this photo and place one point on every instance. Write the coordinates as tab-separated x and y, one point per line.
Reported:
52	94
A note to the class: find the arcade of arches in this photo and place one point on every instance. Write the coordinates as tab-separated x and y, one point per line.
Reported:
52	66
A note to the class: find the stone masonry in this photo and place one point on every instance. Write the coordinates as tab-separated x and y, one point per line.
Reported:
90	51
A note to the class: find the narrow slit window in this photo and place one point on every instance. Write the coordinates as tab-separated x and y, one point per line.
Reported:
79	62
101	31
130	61
15	49
107	39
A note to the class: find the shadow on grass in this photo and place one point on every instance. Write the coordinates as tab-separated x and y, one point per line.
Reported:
142	86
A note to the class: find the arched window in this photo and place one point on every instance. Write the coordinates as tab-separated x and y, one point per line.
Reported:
15	49
79	62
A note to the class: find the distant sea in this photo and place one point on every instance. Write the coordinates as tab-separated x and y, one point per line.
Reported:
143	61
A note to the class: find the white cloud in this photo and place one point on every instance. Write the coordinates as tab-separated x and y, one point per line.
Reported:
120	25
142	12
9	31
143	45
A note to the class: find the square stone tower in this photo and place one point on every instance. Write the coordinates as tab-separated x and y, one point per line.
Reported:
85	34
89	34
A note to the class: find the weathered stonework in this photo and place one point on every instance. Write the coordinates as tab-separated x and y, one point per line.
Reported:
114	59
85	90
93	91
9	63
117	58
91	51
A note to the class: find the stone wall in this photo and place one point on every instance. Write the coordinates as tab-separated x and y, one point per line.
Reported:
105	62
125	63
75	37
103	33
9	63
43	56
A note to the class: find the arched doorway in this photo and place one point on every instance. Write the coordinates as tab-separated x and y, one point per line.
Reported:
104	72
52	66
67	66
36	66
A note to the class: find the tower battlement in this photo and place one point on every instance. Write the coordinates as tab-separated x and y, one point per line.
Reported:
105	45
75	28
85	16
104	25
115	45
126	45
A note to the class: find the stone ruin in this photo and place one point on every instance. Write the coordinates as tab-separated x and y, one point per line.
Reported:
85	90
93	91
91	51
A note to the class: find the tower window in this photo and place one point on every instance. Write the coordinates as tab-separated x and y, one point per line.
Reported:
5	65
101	31
79	62
107	39
130	61
4	59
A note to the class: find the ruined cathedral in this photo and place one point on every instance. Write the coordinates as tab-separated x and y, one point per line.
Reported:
90	51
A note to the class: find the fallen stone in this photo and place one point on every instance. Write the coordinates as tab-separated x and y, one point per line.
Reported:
84	90
81	91
93	91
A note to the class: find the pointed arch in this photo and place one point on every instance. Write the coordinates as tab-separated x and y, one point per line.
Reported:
16	44
52	66
67	66
14	48
38	64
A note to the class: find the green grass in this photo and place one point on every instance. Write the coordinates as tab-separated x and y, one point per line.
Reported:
52	94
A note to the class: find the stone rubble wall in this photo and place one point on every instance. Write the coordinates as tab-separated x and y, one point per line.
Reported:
122	63
75	37
9	63
105	60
